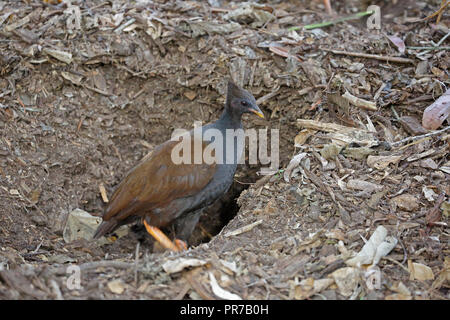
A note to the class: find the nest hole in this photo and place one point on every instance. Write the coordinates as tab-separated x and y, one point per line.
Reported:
221	212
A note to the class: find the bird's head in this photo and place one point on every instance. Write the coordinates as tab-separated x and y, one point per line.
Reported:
240	101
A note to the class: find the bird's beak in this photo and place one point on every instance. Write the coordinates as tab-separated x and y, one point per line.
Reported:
256	110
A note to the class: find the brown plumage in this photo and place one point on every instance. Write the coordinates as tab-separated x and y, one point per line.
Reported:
153	184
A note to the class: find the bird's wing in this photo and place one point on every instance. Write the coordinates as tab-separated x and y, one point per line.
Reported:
156	181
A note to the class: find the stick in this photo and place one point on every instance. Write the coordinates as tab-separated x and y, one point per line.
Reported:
93	265
124	25
371	56
428	48
102	189
361	103
136	264
419	137
97	90
243	229
333	22
268	96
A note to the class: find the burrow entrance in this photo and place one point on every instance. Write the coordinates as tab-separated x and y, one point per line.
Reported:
217	216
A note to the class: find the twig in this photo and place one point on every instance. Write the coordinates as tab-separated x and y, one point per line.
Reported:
405	253
93	265
443	39
397	263
395	113
361	103
434	47
414	143
244	183
419	137
124	25
333	22
243	229
428	48
268	96
370	56
97	90
136	264
102	190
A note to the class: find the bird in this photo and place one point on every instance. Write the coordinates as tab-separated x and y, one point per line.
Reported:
163	191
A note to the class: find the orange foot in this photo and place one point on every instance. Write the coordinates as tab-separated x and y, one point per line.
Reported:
440	12
177	245
181	244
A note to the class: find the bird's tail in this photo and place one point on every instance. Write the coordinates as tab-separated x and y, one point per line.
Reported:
106	227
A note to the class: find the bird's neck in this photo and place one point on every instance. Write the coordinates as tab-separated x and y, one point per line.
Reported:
229	120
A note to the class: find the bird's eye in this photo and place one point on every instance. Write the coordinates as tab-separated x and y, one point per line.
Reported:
244	103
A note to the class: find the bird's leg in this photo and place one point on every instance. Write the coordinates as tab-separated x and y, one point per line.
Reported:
159	236
440	11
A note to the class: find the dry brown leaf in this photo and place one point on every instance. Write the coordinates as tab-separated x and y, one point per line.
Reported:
357	184
174	266
444	275
302	136
281	51
60	55
412	125
190	94
400	288
74	78
419	271
406	202
335	234
398	43
346	280
435	114
116	286
381	162
309	287
34	196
